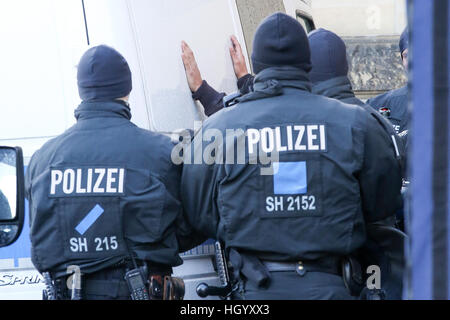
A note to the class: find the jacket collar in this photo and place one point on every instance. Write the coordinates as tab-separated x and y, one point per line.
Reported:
103	109
338	88
271	81
286	76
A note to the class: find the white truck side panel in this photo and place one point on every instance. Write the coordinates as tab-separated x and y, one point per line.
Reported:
42	40
149	34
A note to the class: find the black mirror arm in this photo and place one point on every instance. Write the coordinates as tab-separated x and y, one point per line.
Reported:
20	205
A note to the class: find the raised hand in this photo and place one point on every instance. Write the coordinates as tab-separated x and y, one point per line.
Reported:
193	75
240	68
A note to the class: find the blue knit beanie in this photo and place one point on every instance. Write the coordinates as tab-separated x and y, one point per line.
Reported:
328	56
280	41
103	74
404	41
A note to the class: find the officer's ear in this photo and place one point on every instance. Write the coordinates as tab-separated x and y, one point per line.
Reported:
405	58
124	98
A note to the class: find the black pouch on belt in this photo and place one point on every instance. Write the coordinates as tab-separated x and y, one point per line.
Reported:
352	275
251	267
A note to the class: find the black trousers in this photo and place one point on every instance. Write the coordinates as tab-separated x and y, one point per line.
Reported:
289	285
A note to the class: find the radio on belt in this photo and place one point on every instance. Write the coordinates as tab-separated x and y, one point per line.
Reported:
136	280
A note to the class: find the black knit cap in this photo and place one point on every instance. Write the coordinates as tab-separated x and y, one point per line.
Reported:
280	41
404	41
103	74
328	56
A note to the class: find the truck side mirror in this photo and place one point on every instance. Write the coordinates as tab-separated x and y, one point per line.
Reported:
12	194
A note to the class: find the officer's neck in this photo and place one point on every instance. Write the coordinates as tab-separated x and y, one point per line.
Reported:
124	100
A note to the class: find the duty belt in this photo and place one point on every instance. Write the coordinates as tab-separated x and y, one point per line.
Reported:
115	286
331	265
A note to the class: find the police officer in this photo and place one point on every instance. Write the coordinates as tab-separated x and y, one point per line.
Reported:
104	195
329	78
394	104
330	67
288	228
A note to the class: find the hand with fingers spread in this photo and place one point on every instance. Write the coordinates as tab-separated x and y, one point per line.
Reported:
193	75
240	68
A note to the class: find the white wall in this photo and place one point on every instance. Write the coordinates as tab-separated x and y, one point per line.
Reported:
152	45
41	44
361	17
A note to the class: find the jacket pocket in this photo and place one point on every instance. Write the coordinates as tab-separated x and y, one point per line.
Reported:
91	227
143	209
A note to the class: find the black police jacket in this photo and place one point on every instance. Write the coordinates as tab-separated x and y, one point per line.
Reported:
384	246
340	88
103	189
335	172
395	103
